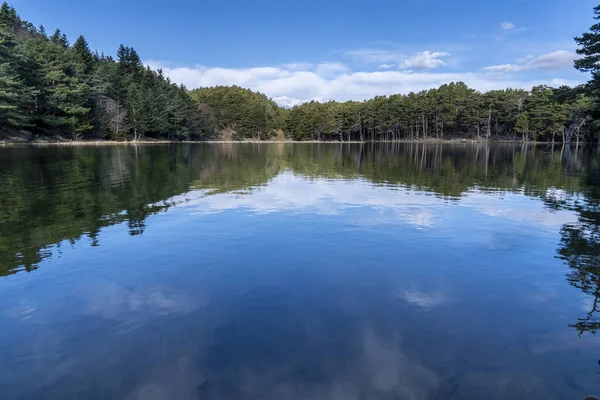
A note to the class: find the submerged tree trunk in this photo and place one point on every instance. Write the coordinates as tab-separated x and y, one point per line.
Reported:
489	124
360	127
518	116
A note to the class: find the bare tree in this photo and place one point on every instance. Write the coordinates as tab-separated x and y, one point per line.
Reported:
110	117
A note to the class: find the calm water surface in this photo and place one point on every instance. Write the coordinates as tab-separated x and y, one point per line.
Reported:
299	271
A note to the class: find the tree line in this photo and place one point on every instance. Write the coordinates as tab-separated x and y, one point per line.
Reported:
52	88
452	111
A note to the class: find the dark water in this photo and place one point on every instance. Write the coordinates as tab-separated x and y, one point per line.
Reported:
299	272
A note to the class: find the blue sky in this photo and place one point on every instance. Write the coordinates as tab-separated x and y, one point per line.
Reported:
331	49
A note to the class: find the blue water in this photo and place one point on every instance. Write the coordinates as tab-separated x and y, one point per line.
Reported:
298	272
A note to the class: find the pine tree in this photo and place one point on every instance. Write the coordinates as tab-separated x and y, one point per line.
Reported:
523	125
63	107
59	39
8	16
83	56
14	95
589	43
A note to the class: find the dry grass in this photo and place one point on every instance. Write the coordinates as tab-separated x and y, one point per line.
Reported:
280	138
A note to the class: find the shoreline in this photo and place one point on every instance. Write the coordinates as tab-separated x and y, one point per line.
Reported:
146	142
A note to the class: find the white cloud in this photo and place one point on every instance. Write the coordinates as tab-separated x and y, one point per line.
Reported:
555	61
377	56
289	102
330	68
508	26
299	66
290	85
425	60
387	59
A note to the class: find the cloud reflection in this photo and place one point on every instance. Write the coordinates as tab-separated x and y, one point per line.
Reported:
426	300
378	370
387	204
112	301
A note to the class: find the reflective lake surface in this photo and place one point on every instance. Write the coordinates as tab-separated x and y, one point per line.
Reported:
299	271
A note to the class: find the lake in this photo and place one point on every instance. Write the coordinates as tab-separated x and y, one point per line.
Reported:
299	271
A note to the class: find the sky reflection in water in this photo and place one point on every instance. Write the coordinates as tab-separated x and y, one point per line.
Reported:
299	272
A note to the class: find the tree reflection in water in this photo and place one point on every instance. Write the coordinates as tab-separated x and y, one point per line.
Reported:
580	249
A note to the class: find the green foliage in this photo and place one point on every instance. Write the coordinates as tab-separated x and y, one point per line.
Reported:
241	112
589	50
451	111
80	94
589	43
15	96
83	57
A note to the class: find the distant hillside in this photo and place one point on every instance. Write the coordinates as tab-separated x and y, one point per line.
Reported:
239	113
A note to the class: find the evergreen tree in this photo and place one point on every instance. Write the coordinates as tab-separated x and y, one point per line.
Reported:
589	43
14	94
83	56
59	39
8	16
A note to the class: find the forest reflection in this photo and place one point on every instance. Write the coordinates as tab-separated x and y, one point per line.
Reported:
51	197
